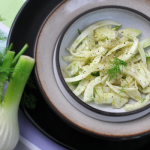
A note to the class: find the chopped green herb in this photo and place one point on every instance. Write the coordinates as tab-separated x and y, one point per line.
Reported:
95	73
76	83
79	69
92	98
143	99
96	93
115	67
73	75
106	38
79	31
2	36
117	27
89	62
122	89
79	44
125	79
147	56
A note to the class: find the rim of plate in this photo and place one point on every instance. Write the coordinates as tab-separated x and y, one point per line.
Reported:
57	48
68	120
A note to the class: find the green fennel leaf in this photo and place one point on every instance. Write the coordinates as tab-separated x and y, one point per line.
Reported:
106	38
115	67
142	100
122	89
76	83
79	69
117	27
79	31
125	79
2	36
31	83
147	56
89	62
95	73
96	93
28	100
92	98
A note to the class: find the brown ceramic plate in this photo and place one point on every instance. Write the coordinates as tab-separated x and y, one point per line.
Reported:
44	48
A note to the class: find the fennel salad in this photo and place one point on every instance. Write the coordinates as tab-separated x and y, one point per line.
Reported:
108	65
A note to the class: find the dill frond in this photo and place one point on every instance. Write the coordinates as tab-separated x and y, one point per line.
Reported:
76	83
28	100
122	89
30	83
2	36
115	67
95	73
106	38
89	62
117	27
147	56
91	97
79	69
143	99
125	79
96	93
79	31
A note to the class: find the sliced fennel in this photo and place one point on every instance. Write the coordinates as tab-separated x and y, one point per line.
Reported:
87	31
145	43
137	105
110	66
88	94
129	32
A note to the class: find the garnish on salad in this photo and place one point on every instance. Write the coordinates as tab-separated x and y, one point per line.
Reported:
110	66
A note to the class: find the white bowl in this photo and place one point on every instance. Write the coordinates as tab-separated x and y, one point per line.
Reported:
129	18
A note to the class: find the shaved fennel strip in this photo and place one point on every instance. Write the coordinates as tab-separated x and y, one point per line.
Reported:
81	87
116	90
136	75
137	105
88	30
88	94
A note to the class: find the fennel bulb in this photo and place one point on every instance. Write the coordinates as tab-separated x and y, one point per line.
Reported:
9	129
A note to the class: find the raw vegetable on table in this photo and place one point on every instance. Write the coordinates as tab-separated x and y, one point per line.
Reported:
14	70
109	65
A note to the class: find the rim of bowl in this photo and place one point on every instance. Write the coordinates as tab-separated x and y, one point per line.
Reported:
57	48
